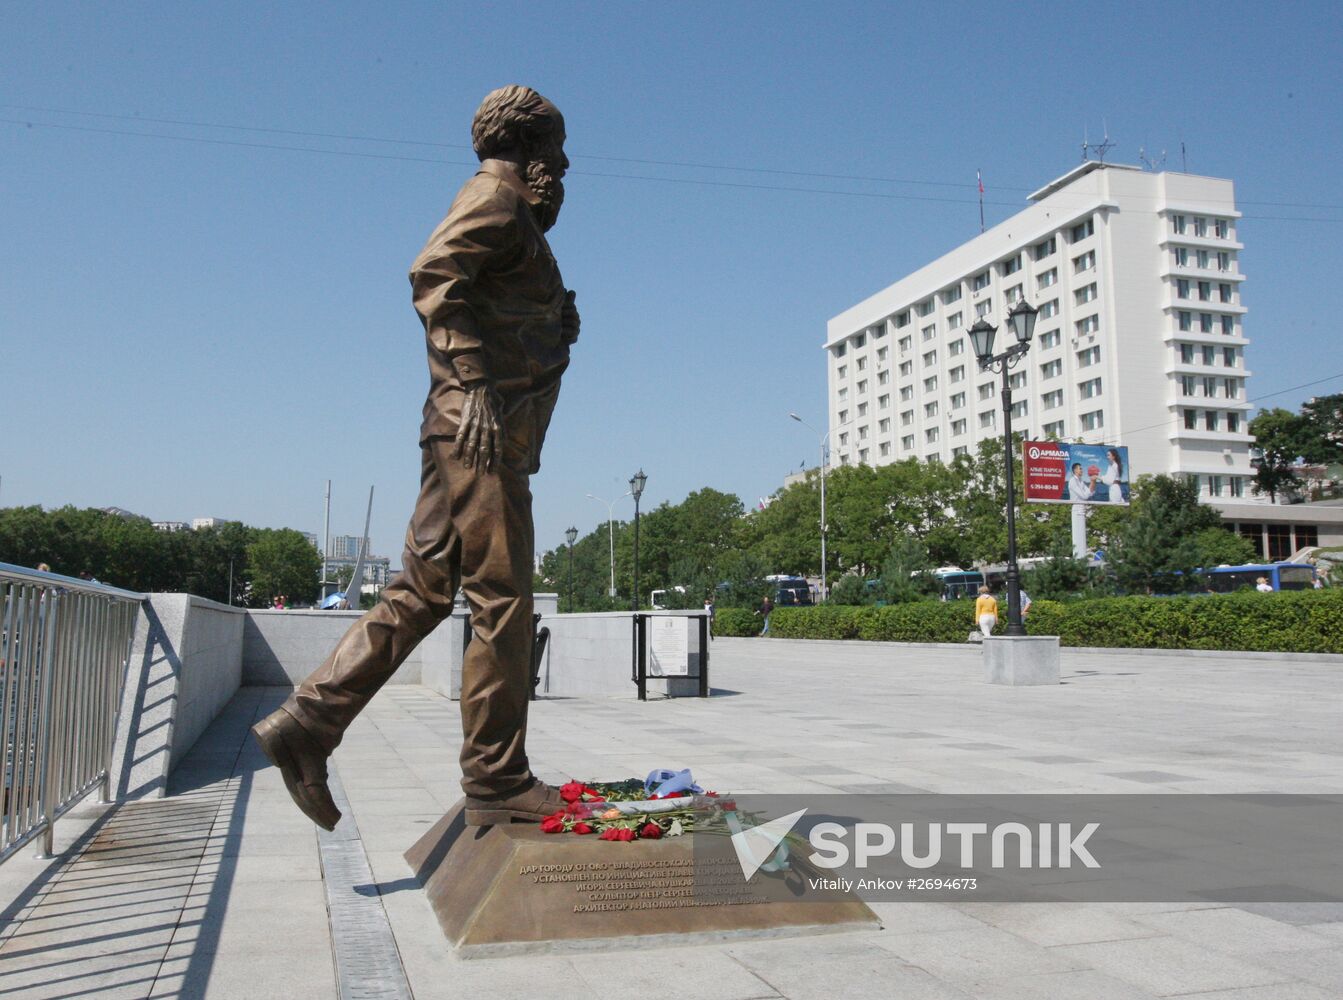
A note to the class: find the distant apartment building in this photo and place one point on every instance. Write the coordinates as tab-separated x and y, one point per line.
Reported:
1140	341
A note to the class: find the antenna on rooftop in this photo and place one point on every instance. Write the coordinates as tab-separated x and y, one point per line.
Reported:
1150	163
1099	148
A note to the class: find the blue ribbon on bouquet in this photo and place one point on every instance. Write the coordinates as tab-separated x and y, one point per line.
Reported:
663	783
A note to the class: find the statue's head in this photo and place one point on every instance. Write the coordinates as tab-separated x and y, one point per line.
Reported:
518	124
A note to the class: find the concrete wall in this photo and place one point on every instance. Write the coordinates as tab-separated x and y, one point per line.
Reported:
592	655
185	664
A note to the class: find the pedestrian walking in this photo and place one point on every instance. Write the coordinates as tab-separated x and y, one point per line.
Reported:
986	611
766	609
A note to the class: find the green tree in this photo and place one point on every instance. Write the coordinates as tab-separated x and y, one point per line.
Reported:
1220	547
1156	551
1282	437
1061	576
850	589
282	562
1323	417
905	575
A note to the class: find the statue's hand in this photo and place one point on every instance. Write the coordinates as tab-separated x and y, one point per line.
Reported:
481	430
569	320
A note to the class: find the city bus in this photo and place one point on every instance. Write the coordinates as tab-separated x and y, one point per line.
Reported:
1281	576
958	583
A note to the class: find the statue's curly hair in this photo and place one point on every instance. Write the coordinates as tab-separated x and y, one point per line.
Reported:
504	116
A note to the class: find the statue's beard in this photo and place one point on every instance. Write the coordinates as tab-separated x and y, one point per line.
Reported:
545	183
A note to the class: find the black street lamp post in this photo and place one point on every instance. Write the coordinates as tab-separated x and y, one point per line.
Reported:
1021	321
570	536
637	483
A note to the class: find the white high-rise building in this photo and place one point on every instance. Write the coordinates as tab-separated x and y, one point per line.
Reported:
1139	342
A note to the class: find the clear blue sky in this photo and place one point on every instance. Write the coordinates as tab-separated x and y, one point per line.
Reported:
218	326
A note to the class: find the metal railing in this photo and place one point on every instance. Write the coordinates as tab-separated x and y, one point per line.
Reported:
64	646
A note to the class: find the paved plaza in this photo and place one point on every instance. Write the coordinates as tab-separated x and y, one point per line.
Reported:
218	890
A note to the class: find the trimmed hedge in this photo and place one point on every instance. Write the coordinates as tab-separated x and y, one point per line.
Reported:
1286	622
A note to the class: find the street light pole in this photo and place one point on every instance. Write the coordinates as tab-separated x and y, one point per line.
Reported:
1021	320
611	532
825	461
570	535
637	483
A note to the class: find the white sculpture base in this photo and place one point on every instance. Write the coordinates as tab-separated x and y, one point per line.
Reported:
1021	660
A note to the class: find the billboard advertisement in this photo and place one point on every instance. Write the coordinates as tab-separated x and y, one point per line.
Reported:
1058	472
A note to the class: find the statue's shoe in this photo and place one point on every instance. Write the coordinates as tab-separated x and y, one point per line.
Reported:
302	763
529	805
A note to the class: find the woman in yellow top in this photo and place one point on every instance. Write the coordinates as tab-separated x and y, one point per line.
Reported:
986	611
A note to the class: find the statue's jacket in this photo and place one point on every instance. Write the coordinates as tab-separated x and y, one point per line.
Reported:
490	294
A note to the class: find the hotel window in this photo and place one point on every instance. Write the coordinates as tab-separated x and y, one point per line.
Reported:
1052	368
956	348
957	400
902	319
859	341
1222	228
1083	229
1214	486
884	402
1186	320
905	343
958	452
924	308
907	442
929	332
988	418
1229	326
1209	355
1089	389
906	394
1210	420
862	409
878	331
1203	259
1177	223
843	459
981	281
957	428
1279	541
930	435
862	433
862	364
842	371
1200	226
1186	354
1205	291
882	354
906	367
1181	257
1044	248
1089	357
1054	430
1052	400
1187	385
930	358
1233	422
1205	322
1223	261
885	449
1182	288
1190	420
1237	486
986	390
952	294
1014	295
844	439
884	425
1019	408
930	409
1085	295
1093	421
883	377
954	321
1229	357
862	456
838	350
843	394
957	374
1210	388
906	418
1051	338
1012	265
1048	278
982	309
862	386
843	416
1084	262
1089	325
1050	308
930	384
1224	292
1017	380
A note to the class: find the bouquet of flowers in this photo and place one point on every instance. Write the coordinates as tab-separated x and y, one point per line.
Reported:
631	810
